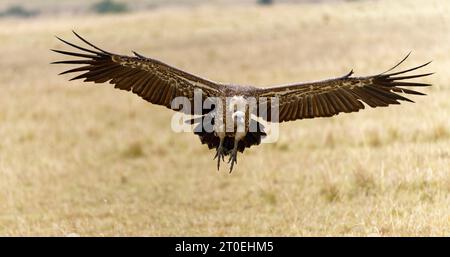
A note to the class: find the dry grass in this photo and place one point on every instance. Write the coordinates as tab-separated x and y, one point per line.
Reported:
91	160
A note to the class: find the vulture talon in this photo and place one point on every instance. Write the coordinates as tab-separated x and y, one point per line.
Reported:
219	155
233	159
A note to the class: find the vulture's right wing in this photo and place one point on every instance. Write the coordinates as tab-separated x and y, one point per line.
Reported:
153	80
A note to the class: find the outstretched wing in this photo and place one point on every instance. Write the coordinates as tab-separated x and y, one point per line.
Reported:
344	94
153	80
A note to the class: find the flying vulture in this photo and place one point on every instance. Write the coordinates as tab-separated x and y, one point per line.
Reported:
230	129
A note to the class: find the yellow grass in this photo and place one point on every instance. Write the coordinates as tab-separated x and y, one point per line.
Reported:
91	160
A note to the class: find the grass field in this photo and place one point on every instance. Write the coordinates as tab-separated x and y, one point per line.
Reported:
79	159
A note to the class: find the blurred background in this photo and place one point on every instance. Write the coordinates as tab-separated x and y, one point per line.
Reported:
84	159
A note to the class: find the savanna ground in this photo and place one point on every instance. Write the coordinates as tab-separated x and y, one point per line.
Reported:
90	160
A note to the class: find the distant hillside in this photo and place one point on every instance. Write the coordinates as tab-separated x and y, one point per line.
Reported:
64	7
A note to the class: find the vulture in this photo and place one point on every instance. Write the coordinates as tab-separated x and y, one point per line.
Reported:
230	116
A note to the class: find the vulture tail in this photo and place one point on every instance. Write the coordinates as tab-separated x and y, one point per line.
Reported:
212	141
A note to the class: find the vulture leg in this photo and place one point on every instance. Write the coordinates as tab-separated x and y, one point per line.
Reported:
219	153
233	156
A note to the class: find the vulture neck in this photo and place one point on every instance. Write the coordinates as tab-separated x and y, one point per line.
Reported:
234	118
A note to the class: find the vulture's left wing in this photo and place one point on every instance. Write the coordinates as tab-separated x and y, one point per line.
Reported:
153	80
344	94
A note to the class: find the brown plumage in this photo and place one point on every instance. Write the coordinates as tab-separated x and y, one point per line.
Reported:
344	94
160	83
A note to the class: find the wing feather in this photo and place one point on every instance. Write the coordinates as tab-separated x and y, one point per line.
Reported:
343	94
151	79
